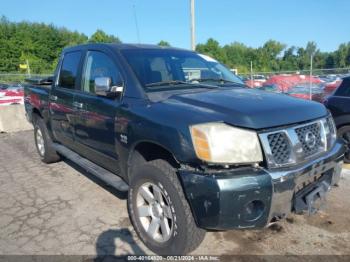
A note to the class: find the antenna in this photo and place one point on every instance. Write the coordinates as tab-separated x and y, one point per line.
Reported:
136	24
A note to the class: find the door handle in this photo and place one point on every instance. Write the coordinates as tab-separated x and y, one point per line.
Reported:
78	105
53	98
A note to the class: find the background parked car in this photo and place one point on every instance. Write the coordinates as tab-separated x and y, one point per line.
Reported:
11	94
256	82
339	105
259	78
270	88
331	86
303	92
3	86
253	83
287	81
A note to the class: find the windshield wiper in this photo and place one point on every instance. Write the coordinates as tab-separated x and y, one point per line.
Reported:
179	82
221	80
170	82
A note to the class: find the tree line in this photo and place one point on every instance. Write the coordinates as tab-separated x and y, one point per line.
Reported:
276	56
41	45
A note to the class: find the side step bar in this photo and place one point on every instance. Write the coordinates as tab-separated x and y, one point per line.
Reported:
103	174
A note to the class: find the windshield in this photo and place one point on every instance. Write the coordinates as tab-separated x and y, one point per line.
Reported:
171	69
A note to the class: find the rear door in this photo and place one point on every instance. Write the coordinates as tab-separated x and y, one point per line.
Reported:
62	98
95	121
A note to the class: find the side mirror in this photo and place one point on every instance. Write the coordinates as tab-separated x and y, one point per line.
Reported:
103	87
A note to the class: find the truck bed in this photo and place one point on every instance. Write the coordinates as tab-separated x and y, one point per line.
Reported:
36	96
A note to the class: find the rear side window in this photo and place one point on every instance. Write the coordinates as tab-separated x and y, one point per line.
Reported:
69	70
344	88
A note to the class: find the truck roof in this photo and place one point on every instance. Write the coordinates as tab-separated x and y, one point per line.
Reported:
120	47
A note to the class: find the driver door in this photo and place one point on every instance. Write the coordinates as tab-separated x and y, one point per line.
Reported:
95	119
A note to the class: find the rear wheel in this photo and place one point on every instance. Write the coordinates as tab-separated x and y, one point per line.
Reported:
344	132
159	211
43	142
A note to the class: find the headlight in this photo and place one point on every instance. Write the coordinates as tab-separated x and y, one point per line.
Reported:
221	143
330	131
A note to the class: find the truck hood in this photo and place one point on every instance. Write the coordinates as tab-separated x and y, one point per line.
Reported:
245	107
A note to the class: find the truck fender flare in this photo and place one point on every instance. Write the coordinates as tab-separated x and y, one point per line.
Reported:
342	121
143	143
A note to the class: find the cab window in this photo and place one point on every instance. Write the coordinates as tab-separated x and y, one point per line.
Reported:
98	64
69	70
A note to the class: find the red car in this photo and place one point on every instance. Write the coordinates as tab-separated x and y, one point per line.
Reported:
253	83
12	95
331	86
286	82
303	92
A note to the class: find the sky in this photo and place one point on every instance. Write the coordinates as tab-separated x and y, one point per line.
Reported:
252	22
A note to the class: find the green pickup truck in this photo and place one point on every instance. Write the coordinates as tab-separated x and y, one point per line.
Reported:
195	148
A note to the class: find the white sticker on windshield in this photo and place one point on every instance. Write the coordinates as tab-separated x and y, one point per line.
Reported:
208	58
191	74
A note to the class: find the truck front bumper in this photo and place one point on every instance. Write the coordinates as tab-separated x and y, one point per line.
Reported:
253	197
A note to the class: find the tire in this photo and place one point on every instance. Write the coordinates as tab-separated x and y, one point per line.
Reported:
43	142
183	236
344	133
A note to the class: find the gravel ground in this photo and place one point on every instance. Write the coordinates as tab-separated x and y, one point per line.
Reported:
60	209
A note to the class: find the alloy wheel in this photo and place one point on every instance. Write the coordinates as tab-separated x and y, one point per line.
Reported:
40	142
154	212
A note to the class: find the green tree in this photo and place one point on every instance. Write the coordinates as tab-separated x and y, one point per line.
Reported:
213	49
329	60
311	48
163	43
239	56
342	55
268	55
290	59
41	45
101	37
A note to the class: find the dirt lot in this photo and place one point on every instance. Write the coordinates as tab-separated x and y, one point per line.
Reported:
59	209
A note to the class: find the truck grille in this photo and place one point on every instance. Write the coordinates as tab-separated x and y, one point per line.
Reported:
280	147
314	131
298	143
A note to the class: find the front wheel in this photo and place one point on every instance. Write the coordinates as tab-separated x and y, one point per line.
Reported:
159	211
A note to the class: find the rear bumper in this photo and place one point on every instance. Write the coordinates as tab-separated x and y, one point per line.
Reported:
254	197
